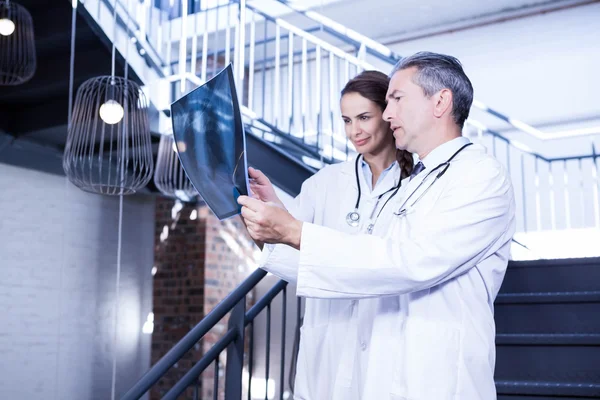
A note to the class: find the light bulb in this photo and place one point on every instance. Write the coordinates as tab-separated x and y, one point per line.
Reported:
111	112
148	326
7	27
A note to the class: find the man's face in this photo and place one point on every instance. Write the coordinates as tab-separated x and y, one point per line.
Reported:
409	111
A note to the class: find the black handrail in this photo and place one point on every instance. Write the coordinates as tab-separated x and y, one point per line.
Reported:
193	336
233	300
201	365
264	301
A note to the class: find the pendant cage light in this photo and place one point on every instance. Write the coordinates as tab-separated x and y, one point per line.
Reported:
169	176
17	44
109	148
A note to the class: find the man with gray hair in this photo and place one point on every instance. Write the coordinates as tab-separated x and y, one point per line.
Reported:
415	285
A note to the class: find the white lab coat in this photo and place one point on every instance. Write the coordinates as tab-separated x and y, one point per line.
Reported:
407	312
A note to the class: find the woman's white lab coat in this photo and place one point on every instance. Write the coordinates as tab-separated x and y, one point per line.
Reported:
407	312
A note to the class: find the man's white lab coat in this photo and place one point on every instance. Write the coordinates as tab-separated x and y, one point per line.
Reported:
407	312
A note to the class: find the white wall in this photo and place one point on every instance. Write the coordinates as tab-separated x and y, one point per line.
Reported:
58	268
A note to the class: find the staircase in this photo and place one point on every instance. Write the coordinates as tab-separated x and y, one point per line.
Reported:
548	330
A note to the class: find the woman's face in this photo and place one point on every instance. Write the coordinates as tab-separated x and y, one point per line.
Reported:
364	124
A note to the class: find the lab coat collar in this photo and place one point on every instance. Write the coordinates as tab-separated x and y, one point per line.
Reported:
348	166
390	180
443	152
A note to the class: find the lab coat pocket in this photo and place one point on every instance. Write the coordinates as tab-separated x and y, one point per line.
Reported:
325	360
428	363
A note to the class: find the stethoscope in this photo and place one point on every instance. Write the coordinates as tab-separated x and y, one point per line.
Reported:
402	210
353	217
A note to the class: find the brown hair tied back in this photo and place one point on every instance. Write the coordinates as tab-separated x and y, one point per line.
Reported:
373	85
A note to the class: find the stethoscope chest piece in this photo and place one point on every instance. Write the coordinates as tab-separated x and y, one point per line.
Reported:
353	218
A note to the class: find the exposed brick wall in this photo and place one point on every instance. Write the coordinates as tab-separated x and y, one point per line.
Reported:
230	255
198	263
178	286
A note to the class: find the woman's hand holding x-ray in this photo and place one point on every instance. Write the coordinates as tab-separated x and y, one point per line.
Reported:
268	222
262	188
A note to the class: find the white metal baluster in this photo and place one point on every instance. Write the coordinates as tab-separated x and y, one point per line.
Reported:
523	192
304	86
228	37
183	45
251	66
263	91
361	55
596	190
346	72
290	103
242	59
552	198
216	45
317	95
582	189
567	200
332	100
169	48
204	49
146	33
194	59
159	35
276	105
339	112
236	51
538	208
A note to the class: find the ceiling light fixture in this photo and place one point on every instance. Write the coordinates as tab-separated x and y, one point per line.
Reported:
109	145
169	176
17	44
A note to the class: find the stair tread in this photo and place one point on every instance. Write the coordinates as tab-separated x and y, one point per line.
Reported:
548	338
549	297
548	388
555	262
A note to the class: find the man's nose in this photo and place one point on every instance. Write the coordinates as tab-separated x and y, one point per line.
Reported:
387	115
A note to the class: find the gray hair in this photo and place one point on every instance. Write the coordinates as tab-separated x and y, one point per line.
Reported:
439	71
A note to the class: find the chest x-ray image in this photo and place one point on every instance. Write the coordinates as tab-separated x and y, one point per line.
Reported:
211	143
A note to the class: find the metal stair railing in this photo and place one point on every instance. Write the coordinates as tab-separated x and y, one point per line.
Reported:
303	102
232	342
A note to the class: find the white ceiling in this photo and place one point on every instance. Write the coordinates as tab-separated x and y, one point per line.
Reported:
542	68
385	18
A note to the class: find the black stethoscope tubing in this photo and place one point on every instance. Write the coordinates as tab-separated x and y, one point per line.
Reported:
445	165
353	217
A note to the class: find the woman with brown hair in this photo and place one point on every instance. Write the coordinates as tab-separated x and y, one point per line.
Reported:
333	360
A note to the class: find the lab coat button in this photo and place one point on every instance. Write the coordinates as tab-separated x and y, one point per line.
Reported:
363	346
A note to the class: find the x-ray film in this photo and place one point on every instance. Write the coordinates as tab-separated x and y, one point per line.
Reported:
211	143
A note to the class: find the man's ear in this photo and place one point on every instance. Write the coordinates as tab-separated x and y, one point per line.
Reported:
443	103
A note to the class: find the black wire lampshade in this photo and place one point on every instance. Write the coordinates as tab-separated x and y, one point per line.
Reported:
169	176
17	44
109	149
